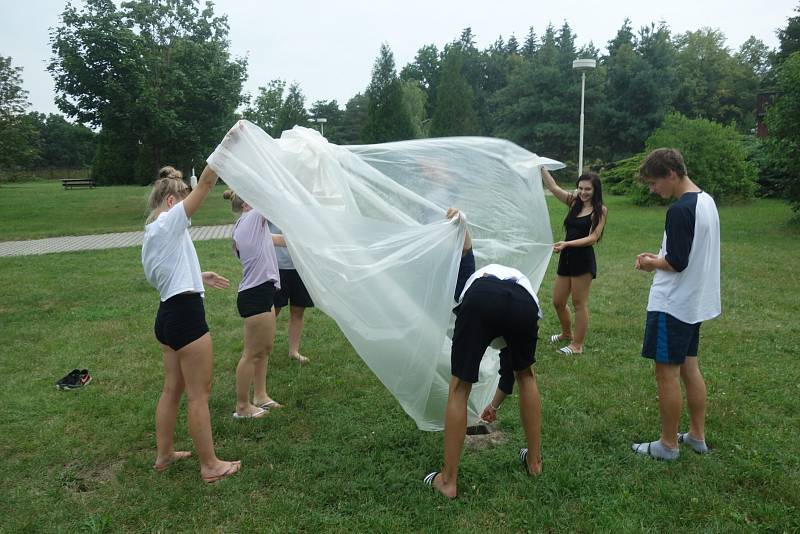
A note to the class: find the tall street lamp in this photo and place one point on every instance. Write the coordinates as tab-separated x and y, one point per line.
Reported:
321	121
582	65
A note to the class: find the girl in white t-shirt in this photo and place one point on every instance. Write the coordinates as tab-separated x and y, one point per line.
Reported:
253	246
171	266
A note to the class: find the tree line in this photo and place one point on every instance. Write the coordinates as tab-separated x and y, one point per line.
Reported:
158	82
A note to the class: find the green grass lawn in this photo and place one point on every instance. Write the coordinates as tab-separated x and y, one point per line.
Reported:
343	457
33	210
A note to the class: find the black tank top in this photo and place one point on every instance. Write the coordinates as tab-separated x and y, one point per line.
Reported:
578	227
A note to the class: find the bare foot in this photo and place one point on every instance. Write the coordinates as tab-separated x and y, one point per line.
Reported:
220	471
162	464
534	468
448	490
299	357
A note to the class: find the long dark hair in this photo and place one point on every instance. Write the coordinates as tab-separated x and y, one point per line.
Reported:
597	200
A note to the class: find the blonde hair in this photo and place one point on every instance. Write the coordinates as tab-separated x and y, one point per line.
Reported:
169	182
236	201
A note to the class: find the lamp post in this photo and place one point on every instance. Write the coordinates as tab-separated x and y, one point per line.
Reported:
321	121
582	65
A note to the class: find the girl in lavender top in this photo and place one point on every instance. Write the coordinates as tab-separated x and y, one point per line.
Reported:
253	246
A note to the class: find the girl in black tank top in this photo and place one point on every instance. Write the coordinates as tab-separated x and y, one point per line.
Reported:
577	266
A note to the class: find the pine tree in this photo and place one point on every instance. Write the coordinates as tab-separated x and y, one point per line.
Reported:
387	114
293	110
454	113
531	44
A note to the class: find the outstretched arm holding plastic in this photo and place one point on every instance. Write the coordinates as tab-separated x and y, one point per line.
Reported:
205	184
566	197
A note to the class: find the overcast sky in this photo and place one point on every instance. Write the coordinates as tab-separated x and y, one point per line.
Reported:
329	46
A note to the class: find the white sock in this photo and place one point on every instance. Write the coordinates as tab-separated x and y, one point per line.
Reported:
699	446
656	449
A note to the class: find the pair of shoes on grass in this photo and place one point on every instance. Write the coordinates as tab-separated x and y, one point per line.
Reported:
659	451
77	378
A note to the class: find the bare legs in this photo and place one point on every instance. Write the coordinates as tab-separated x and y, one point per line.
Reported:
455	427
695	397
259	336
189	368
296	321
561	290
670	401
530	412
167	409
578	287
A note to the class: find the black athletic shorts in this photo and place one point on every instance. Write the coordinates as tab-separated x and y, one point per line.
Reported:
494	308
255	300
293	291
180	320
667	339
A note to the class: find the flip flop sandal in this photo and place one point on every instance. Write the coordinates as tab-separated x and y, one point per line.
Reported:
232	470
260	413
160	468
269	405
644	450
428	480
523	459
568	351
555	338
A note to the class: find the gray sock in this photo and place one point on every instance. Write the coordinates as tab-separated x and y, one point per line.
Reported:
656	449
699	446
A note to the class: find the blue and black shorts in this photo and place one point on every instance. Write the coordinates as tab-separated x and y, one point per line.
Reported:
668	339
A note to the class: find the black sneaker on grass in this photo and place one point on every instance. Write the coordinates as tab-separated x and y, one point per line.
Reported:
77	378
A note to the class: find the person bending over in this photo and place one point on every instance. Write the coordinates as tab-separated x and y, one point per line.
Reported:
492	302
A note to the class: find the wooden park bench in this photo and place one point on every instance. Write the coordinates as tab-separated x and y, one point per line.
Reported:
69	183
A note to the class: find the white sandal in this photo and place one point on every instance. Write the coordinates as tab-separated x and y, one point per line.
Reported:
555	338
568	351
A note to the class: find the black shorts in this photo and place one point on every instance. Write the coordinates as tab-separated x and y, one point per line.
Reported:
255	300
180	320
293	291
667	339
493	308
577	261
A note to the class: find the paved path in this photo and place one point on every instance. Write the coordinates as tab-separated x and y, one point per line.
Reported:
100	241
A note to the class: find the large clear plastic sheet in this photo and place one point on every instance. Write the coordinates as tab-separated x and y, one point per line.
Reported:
366	230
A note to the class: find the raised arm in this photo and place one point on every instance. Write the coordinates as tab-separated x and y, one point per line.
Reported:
453	212
205	184
564	196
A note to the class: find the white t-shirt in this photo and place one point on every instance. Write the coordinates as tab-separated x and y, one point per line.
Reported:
691	246
168	255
